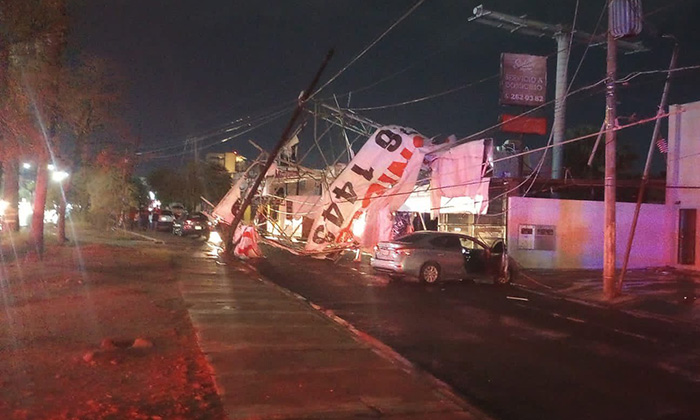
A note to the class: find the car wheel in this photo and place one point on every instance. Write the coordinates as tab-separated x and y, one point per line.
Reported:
430	272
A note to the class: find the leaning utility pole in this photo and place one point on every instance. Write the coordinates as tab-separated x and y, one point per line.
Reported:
609	289
253	189
647	165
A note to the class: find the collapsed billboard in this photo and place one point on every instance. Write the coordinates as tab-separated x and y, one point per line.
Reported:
392	154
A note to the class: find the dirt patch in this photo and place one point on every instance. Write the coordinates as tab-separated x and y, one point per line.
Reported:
99	330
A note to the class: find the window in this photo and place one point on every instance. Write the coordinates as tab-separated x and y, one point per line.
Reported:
446	242
411	238
469	244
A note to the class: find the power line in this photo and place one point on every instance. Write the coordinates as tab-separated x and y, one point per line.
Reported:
425	98
363	52
453	40
242	124
224	140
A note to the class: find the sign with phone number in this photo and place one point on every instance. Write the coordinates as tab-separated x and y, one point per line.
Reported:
523	79
374	170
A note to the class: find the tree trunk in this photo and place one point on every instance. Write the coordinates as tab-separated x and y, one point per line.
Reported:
10	178
62	213
37	230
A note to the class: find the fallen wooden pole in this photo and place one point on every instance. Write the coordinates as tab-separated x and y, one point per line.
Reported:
273	154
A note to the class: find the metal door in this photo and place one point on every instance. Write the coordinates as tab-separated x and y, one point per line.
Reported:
687	238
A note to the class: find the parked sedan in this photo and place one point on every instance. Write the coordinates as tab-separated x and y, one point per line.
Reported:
165	220
192	224
434	256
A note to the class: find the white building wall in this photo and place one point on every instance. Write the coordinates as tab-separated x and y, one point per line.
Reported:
578	233
683	175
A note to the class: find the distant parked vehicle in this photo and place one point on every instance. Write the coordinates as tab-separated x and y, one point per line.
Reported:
165	220
177	209
435	256
191	224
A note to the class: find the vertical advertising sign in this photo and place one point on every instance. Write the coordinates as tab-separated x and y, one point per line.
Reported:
523	79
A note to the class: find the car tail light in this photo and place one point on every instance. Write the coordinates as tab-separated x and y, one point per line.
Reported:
403	251
188	222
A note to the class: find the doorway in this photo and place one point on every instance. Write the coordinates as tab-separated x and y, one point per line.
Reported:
687	234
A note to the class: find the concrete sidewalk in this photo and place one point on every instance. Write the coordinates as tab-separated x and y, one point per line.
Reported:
663	292
275	356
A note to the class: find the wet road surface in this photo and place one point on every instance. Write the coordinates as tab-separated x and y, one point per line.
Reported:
515	354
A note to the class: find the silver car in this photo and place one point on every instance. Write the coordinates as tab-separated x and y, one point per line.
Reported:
434	256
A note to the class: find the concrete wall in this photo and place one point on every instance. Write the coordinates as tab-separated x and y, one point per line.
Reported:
683	175
578	238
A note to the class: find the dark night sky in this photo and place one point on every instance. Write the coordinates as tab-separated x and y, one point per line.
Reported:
194	67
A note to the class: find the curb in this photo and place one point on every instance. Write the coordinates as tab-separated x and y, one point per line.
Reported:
632	312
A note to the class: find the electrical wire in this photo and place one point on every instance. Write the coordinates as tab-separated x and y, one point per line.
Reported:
453	39
641	73
425	98
246	127
664	7
363	52
220	141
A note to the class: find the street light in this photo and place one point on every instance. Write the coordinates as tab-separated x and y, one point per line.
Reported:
59	176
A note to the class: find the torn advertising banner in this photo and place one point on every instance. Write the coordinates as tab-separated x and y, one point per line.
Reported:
379	218
372	173
460	172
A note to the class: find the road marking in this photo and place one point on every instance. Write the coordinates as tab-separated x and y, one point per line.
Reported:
517	298
569	318
579	320
635	335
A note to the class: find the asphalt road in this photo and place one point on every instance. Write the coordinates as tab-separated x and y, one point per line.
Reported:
513	353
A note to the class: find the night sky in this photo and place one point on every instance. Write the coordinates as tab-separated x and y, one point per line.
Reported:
193	68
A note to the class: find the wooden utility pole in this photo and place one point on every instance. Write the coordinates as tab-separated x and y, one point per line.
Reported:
273	154
609	289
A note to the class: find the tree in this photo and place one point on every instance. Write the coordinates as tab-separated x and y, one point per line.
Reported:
216	182
48	97
30	60
89	96
167	184
109	188
198	180
576	155
19	29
